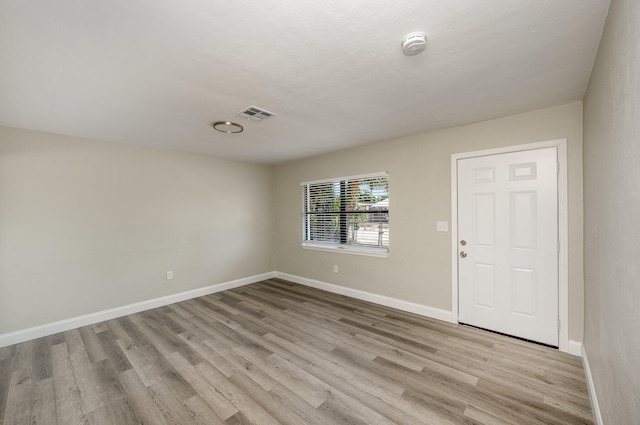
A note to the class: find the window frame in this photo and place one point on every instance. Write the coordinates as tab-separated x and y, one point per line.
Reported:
346	248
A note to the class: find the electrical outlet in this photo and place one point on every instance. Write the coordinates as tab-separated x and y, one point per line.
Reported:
442	226
169	275
335	268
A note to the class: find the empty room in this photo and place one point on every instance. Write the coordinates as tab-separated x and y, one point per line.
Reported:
319	212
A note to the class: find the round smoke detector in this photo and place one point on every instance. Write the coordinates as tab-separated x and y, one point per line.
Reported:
414	43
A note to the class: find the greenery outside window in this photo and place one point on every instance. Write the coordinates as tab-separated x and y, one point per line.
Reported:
347	213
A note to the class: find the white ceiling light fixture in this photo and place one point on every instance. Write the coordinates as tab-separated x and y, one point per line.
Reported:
414	43
227	127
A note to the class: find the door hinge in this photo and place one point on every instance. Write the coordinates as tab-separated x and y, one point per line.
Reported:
559	325
557	168
558	247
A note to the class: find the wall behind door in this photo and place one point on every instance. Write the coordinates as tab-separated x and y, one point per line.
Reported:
418	268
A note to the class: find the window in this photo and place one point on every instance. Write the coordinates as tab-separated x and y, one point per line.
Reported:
348	213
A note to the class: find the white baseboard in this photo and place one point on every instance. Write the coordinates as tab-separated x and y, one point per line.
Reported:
16	337
423	310
575	348
100	316
597	415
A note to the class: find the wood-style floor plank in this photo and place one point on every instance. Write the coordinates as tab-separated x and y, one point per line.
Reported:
280	353
44	402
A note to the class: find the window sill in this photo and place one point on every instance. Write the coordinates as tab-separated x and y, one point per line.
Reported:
347	250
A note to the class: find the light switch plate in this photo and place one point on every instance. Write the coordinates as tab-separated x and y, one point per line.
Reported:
442	226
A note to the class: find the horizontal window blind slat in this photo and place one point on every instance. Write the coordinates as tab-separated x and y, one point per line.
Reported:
349	212
358	176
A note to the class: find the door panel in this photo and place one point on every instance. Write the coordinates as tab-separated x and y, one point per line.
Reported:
485	285
484	215
508	267
524	220
524	291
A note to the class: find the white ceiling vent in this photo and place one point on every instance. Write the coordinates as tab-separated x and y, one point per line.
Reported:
255	114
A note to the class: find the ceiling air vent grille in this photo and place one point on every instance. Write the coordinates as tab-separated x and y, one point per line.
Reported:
255	114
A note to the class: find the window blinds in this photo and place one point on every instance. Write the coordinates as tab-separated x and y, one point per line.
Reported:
347	213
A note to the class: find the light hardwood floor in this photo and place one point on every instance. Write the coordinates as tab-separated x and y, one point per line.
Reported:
280	353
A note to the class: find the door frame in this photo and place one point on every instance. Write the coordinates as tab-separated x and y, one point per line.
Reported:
563	228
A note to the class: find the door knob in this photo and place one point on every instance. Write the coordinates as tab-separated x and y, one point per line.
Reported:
463	242
463	254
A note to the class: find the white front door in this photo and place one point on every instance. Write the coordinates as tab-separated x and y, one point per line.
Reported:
508	243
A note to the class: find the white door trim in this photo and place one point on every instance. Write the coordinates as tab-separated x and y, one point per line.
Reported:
563	229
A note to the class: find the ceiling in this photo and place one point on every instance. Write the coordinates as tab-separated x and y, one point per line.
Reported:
157	73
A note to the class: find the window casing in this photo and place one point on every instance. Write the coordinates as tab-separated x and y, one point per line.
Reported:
350	214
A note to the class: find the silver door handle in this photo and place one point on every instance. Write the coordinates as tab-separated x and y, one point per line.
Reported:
463	254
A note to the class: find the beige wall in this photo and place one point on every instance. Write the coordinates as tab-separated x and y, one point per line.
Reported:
418	268
612	216
86	225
